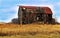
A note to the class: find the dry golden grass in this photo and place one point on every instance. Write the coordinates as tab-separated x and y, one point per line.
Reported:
30	31
15	28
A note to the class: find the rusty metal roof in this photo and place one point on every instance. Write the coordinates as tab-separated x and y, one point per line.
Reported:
47	10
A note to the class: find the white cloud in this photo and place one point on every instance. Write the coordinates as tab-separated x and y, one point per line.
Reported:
58	19
6	21
7	10
14	8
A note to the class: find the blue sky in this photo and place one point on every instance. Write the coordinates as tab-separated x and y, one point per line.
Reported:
9	8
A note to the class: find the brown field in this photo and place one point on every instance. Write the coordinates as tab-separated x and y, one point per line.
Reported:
29	31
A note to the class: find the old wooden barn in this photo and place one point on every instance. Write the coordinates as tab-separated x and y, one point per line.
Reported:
32	14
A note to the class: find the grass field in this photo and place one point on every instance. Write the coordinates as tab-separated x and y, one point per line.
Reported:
29	31
33	36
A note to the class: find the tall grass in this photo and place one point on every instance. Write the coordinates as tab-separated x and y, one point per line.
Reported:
29	31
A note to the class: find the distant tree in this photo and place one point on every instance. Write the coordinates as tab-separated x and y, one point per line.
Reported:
15	20
54	21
